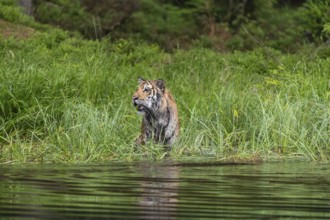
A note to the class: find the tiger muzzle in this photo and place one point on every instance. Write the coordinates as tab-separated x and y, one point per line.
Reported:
134	99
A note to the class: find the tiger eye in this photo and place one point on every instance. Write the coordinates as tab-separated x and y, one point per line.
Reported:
146	89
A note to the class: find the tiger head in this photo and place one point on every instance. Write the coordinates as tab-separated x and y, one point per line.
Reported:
148	96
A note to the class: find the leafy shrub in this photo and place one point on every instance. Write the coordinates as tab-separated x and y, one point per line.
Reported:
10	11
69	15
278	28
315	15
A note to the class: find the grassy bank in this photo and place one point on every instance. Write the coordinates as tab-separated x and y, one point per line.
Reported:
65	99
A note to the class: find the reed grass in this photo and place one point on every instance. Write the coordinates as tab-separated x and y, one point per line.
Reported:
68	100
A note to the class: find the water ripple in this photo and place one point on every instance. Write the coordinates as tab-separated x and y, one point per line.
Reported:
166	191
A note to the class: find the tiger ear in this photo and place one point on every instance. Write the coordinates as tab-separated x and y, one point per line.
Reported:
140	80
160	84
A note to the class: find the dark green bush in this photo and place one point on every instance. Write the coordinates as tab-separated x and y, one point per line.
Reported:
220	25
10	11
315	14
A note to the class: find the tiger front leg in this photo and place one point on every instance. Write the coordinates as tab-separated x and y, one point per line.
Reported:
144	136
168	143
141	140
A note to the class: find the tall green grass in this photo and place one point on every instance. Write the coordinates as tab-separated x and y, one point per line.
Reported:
64	99
255	104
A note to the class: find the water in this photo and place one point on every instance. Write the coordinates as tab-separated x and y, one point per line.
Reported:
165	190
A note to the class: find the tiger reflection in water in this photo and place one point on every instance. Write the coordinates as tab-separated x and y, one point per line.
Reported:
159	191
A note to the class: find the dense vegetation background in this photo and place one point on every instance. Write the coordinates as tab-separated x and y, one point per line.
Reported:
221	25
251	78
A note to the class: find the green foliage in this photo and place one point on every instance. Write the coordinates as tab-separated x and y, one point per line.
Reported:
168	25
10	11
326	28
64	99
315	15
278	29
220	25
67	14
92	19
67	99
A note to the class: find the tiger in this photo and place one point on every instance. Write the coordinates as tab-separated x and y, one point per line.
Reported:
160	121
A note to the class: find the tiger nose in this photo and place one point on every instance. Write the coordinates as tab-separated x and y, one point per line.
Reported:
134	98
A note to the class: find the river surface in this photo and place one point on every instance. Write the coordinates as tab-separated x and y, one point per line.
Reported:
165	190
